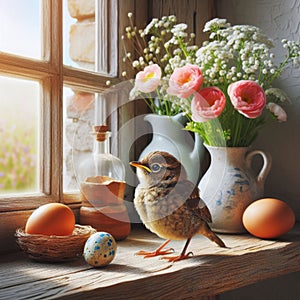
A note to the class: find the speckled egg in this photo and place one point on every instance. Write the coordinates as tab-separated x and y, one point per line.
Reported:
100	249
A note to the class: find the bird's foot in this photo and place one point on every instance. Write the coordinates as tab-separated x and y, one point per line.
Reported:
157	252
178	257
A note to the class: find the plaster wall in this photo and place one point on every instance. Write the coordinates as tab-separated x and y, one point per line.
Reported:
279	19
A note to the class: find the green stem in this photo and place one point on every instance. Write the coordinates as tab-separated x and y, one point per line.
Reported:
279	70
182	46
237	129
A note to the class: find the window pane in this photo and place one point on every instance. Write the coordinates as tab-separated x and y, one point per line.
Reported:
78	141
79	34
20	27
19	134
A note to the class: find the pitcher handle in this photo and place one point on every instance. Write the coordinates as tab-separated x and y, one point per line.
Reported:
267	162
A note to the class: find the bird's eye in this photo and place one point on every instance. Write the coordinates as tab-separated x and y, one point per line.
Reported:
155	168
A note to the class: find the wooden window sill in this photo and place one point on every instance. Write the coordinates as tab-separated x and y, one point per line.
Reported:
211	271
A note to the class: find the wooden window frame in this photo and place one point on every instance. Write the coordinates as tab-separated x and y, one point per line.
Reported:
53	76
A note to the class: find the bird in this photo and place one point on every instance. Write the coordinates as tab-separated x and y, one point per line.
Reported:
169	204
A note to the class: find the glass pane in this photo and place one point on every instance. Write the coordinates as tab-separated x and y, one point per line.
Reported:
79	34
19	134
20	27
78	122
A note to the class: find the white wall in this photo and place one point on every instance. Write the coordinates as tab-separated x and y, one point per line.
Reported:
279	19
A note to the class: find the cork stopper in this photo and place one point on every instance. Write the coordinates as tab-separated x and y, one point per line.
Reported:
100	131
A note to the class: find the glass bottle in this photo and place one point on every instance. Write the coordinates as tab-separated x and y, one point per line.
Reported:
102	162
102	186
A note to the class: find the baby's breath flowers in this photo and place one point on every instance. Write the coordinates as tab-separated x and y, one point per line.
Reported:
165	43
223	87
241	54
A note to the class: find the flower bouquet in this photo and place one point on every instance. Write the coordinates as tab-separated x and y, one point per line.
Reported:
161	47
224	87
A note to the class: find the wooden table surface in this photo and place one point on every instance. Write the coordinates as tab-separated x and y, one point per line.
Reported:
212	270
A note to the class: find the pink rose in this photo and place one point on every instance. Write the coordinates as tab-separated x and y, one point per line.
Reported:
207	104
278	111
148	80
247	97
185	81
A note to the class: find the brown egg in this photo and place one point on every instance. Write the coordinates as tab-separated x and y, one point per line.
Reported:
51	219
268	218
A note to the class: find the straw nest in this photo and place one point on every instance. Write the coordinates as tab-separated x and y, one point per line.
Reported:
54	248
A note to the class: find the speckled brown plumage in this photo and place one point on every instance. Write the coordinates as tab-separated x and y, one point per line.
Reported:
168	204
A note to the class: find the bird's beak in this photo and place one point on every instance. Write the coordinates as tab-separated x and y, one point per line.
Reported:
139	165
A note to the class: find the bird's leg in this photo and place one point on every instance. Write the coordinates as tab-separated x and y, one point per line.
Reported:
157	252
183	255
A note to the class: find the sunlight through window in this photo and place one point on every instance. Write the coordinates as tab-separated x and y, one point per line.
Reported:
20	27
19	133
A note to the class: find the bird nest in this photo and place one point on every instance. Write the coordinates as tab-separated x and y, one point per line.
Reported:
54	248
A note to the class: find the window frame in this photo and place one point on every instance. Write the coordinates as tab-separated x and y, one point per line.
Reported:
53	76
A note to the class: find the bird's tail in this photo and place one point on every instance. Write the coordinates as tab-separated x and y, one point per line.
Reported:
206	231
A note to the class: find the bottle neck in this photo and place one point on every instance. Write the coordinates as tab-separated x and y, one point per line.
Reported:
102	145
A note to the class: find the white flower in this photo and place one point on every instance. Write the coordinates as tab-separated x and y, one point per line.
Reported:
172	18
179	27
278	111
166	24
215	23
135	64
150	25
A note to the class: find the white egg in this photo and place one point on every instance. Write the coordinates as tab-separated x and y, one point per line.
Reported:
100	249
